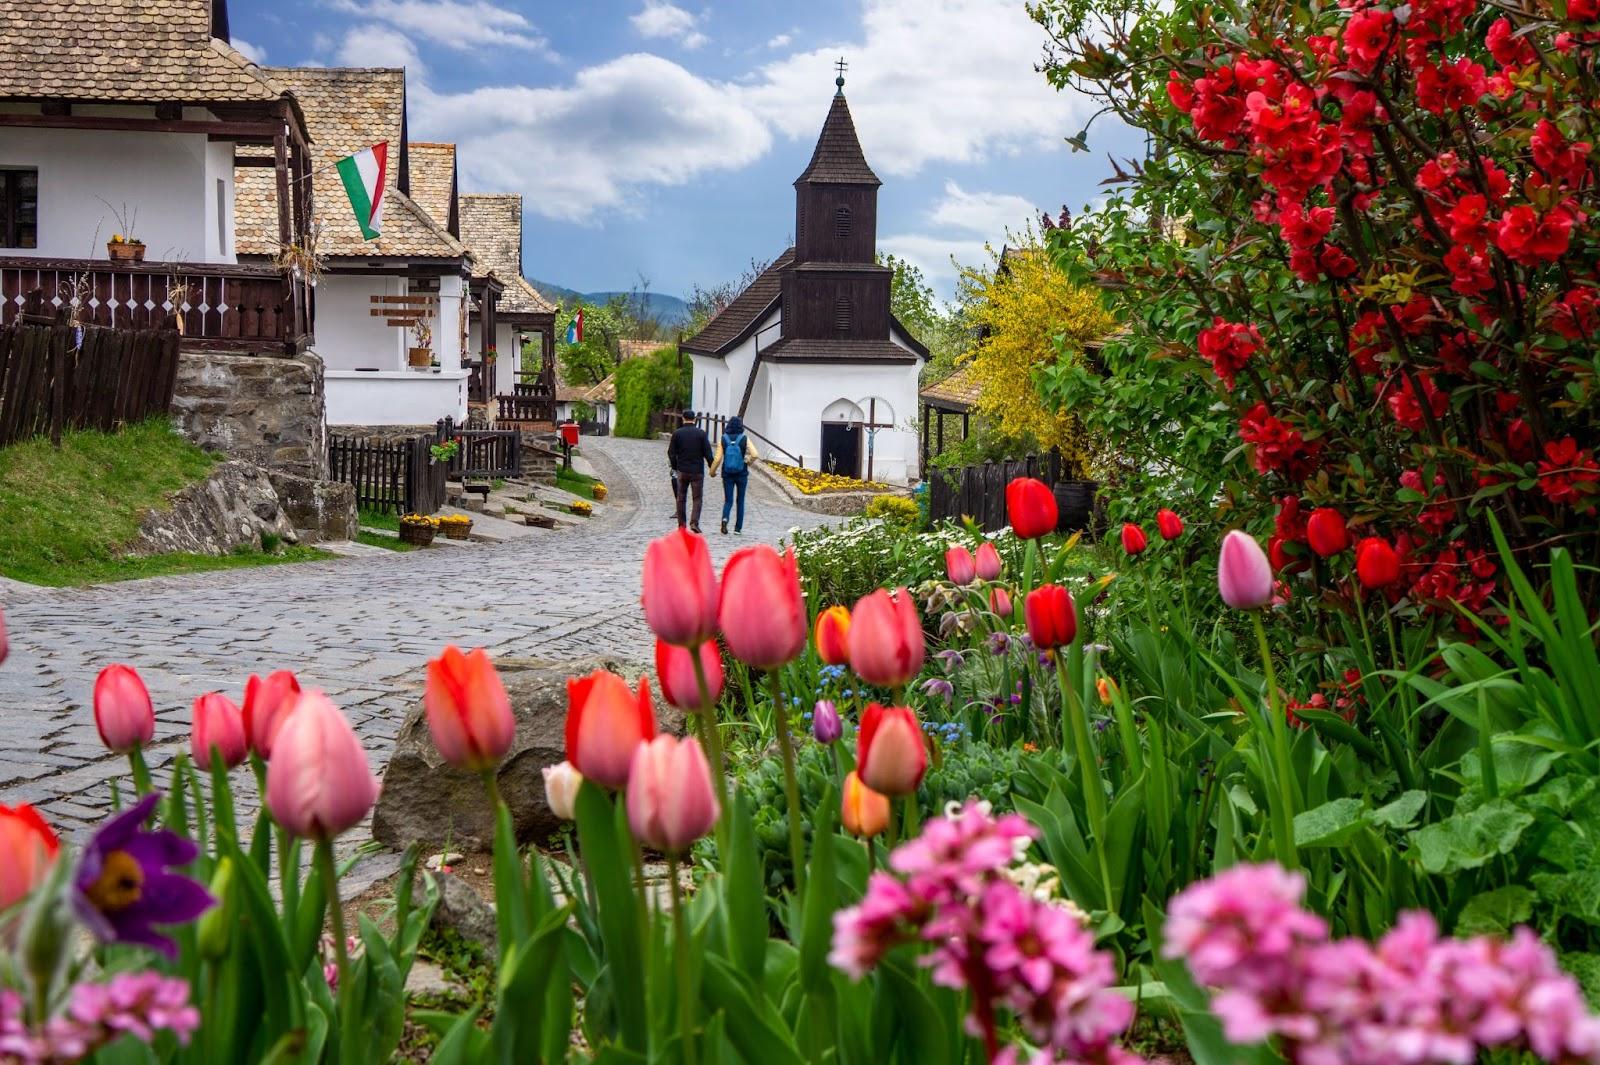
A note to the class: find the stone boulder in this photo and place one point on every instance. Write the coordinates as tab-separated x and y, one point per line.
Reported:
463	910
425	799
235	506
323	510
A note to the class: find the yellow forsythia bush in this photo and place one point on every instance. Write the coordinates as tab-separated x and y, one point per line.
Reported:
897	510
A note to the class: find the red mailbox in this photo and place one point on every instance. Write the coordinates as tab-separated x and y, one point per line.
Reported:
569	433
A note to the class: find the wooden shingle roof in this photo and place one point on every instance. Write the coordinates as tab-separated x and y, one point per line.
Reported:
347	109
491	225
730	324
433	182
958	391
838	159
139	51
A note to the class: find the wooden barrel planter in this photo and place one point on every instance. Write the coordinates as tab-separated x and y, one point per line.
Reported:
1075	505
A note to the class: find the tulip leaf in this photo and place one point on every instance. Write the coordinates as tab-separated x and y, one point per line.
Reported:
262	931
605	852
463	1043
920	1027
745	906
753	1028
525	979
822	898
510	889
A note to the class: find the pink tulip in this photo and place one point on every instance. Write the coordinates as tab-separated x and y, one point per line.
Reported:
886	643
266	703
606	723
988	561
762	613
1244	576
680	589
890	753
318	783
1000	602
960	566
217	725
469	713
5	645
670	799
675	672
122	710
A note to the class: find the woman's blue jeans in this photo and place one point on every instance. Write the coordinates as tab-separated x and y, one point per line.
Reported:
734	483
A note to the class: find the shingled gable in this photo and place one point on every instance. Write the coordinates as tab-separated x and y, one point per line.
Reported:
838	159
491	226
433	183
731	325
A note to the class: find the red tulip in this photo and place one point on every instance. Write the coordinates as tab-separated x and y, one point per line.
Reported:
5	646
318	783
862	811
1244	576
1051	615
266	703
1377	563
219	725
1169	524
469	713
122	710
680	589
959	565
1000	602
606	723
886	643
675	673
1031	506
1326	532
890	753
762	613
832	635
988	562
671	802
28	849
1133	539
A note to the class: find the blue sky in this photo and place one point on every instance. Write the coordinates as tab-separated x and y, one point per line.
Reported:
662	137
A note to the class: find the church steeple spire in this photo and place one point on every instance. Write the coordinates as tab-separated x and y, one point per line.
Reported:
838	159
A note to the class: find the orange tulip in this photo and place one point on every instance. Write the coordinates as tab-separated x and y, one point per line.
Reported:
832	634
266	703
469	713
606	723
28	848
886	642
122	711
862	811
675	672
890	753
217	725
680	589
762	613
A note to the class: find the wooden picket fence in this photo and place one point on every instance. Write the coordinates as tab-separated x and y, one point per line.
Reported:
485	454
979	492
389	475
60	376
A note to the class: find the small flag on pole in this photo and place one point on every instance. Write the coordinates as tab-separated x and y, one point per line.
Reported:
364	176
575	328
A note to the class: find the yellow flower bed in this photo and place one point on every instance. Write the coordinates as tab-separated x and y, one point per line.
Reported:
815	482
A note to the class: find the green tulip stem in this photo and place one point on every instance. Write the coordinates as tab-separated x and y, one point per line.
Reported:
141	771
1278	725
330	881
711	734
1030	559
872	854
913	817
1094	796
680	948
791	783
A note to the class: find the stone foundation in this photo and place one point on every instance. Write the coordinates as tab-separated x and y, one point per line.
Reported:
264	409
321	510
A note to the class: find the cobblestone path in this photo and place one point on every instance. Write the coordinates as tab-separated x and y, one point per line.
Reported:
359	628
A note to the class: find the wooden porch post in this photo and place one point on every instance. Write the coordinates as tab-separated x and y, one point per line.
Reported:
927	409
941	431
280	165
966	425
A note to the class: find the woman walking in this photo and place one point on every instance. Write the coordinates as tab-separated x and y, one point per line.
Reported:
734	454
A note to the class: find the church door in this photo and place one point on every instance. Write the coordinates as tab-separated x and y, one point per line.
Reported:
841	449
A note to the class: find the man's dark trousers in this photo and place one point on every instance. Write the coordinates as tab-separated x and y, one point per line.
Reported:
687	484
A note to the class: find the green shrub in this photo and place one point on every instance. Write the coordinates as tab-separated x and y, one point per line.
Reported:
896	510
648	384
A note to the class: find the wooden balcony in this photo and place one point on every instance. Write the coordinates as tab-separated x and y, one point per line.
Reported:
244	307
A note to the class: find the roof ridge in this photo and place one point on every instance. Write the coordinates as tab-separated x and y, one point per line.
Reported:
428	222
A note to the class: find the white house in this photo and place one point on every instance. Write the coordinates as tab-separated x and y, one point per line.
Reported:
129	127
517	390
809	354
373	293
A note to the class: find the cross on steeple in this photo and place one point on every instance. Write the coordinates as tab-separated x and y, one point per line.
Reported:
842	66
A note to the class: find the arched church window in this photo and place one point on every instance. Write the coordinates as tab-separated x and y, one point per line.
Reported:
841	313
841	221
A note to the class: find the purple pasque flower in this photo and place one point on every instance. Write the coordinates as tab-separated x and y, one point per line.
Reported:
123	888
999	643
952	659
825	724
939	687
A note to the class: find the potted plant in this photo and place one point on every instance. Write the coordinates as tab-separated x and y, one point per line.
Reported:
124	246
421	353
418	529
455	526
446	451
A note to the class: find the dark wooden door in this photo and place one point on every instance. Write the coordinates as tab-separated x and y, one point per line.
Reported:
841	449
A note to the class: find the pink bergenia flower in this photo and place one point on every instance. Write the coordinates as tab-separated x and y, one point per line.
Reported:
1241	927
139	1003
863	934
954	855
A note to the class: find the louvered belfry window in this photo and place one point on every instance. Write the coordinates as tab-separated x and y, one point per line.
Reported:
841	221
841	314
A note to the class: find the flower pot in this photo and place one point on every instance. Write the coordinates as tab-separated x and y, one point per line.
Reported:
416	533
456	530
599	493
125	252
1075	504
421	357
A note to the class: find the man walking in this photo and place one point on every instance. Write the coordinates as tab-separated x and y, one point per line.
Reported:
689	453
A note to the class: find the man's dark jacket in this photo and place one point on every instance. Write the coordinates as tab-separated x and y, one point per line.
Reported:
690	451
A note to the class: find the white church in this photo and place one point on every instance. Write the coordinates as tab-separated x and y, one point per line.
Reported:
810	355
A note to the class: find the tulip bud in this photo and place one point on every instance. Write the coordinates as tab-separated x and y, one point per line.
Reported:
671	802
218	726
469	713
28	848
959	565
216	924
1051	615
890	753
863	812
1326	532
266	703
886	641
1133	539
1169	524
1244	576
1377	563
988	561
318	782
561	784
825	723
762	614
1031	507
606	723
832	635
122	710
679	685
680	589
1104	688
1000	602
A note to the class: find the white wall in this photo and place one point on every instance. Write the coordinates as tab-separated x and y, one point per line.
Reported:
348	336
804	391
169	177
447	329
505	367
398	397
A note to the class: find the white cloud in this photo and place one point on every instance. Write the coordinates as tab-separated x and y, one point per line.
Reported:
379	46
960	224
250	51
458	24
577	150
986	214
659	19
780	41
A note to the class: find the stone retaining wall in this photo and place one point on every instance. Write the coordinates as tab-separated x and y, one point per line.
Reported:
264	409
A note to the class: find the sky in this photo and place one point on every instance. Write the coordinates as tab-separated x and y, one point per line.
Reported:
661	138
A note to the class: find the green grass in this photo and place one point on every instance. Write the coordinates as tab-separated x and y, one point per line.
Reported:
579	484
69	511
377	539
380	519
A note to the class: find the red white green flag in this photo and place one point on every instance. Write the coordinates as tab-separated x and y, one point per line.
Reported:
364	176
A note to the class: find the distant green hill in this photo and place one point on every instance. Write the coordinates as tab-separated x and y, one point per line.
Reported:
670	309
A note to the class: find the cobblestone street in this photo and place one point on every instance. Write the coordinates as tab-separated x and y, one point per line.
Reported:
359	628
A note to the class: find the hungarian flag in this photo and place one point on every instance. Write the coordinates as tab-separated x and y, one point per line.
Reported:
363	174
575	328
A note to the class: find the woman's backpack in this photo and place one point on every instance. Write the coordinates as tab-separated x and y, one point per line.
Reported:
733	454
